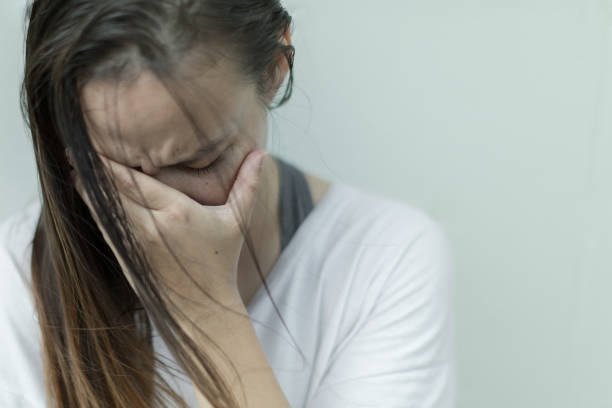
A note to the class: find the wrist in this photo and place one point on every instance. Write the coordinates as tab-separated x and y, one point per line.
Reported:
212	313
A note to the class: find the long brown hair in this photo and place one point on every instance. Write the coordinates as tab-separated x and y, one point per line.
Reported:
96	331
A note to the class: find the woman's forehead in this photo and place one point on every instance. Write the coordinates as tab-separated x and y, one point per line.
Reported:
141	118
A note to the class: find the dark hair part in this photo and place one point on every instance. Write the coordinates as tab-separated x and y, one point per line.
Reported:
96	331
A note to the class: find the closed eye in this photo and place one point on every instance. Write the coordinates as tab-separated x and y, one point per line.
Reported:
198	171
205	170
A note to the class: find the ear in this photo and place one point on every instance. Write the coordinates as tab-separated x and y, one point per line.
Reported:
280	70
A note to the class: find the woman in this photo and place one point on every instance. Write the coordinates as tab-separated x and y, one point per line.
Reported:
139	278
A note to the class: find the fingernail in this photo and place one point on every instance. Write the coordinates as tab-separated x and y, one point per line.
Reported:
262	159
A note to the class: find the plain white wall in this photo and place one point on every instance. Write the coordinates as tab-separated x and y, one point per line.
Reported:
494	116
17	167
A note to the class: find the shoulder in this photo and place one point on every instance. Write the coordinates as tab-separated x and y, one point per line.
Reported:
378	244
21	378
370	219
16	236
386	283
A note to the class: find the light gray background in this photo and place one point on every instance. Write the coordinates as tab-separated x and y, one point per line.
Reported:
494	116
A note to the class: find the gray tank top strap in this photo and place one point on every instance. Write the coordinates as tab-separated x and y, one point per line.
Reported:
295	199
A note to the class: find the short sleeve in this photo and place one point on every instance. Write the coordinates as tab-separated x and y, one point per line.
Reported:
402	355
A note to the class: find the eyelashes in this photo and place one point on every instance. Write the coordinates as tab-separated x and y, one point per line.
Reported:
206	170
198	171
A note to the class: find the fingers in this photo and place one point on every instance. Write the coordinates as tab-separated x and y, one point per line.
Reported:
141	188
244	189
140	193
136	214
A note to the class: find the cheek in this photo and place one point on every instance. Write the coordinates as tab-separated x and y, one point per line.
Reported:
211	188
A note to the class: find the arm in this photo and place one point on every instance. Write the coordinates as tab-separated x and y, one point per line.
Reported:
400	355
236	336
162	218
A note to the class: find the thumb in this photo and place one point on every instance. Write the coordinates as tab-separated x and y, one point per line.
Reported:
244	190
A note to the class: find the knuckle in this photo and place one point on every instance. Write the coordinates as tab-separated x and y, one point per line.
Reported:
125	182
177	214
129	185
149	234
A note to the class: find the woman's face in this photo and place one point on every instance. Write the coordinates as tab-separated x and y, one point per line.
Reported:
156	137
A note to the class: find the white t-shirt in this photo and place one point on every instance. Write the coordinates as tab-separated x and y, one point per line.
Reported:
363	285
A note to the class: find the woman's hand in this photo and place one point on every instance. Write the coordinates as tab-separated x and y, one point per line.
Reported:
205	241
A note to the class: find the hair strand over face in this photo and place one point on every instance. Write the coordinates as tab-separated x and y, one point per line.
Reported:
96	328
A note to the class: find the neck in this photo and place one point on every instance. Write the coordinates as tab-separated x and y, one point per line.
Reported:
263	233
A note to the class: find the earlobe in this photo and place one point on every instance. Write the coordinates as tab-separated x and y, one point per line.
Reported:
287	37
